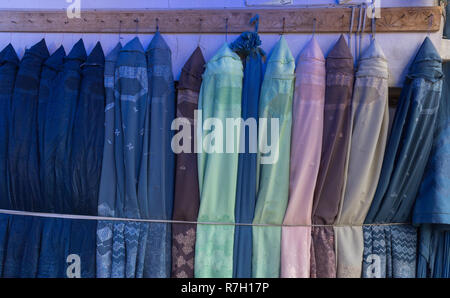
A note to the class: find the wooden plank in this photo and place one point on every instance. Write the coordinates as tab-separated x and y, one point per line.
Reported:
296	20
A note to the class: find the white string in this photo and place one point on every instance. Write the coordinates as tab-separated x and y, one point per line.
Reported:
104	218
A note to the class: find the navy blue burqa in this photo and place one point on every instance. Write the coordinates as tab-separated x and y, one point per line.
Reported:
23	138
59	123
9	63
88	135
247	47
52	66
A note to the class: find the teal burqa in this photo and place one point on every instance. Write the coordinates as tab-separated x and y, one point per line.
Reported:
273	172
220	97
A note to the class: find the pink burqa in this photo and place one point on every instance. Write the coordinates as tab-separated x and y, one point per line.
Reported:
306	146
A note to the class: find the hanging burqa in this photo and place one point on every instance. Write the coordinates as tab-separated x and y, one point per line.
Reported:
405	158
335	144
52	67
274	139
306	146
88	135
121	246
59	122
220	98
247	47
432	207
107	194
9	63
25	191
370	120
187	196
157	170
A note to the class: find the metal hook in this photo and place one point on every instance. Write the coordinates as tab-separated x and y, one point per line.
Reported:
255	20
226	29
374	23
137	25
430	24
199	32
157	24
284	26
120	30
351	29
314	26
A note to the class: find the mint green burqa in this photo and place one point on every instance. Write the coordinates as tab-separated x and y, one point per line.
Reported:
220	97
275	102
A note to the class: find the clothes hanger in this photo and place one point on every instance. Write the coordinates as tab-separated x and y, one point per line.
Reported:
120	31
137	26
226	30
314	27
430	24
157	24
199	32
284	26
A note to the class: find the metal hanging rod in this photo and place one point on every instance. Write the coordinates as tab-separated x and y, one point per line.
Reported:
297	20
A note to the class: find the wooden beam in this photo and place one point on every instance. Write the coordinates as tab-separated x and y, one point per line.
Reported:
297	20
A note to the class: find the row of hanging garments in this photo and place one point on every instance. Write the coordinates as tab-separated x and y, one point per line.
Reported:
338	195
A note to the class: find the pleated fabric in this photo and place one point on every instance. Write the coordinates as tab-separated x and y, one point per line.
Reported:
108	178
370	121
410	140
158	162
52	67
9	63
220	97
23	153
40	247
247	47
88	135
335	146
121	246
187	195
275	103
306	146
60	117
433	251
432	206
406	155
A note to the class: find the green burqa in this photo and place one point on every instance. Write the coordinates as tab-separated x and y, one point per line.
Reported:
273	172
220	98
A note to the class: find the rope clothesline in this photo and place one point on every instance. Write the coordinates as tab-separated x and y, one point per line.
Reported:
169	221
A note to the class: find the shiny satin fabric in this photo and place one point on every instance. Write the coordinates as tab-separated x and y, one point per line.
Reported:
88	135
275	103
306	146
410	141
187	195
9	63
370	120
57	147
23	153
157	167
247	47
335	146
51	69
220	97
108	177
